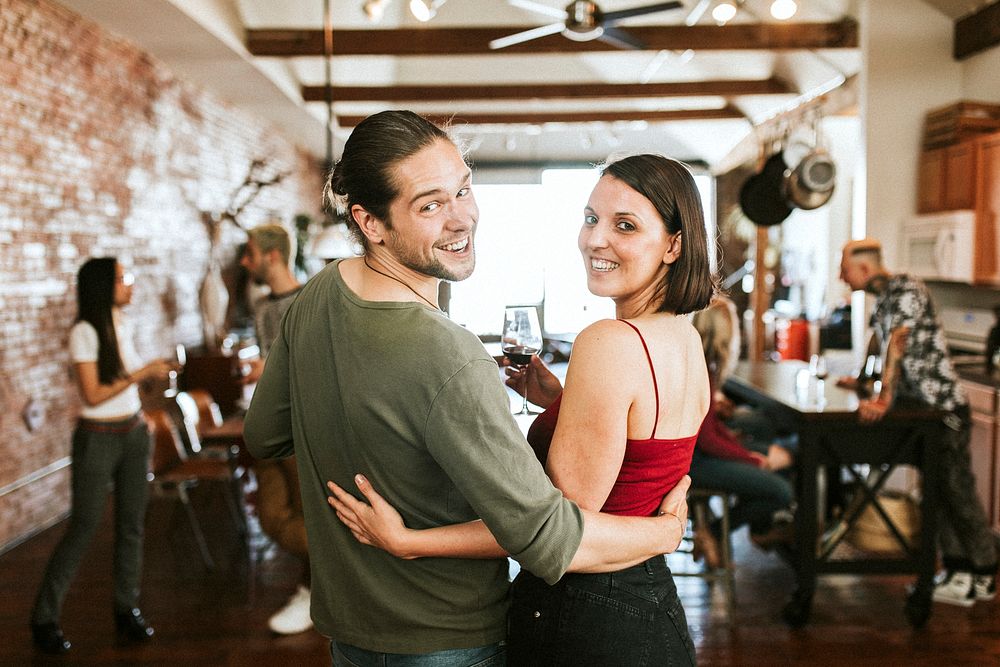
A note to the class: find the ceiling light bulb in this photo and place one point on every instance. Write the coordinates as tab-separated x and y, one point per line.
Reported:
374	10
783	9
724	12
424	10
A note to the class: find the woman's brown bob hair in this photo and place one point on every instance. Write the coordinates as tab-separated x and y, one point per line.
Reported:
670	187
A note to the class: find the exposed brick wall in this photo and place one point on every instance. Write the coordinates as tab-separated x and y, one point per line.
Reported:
104	152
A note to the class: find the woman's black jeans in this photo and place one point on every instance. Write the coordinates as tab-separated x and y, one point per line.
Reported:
632	617
104	455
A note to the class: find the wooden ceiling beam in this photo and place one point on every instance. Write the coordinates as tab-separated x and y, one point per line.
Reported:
977	31
284	43
546	91
539	118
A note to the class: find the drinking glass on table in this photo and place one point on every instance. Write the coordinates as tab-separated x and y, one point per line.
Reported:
818	367
179	359
521	338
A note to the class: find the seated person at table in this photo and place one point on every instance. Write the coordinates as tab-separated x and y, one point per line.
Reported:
721	461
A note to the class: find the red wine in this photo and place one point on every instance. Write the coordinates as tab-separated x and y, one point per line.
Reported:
519	355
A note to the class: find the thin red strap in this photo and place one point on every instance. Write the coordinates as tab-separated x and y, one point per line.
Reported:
656	389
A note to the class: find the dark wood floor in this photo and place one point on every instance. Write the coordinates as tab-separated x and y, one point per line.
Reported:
216	618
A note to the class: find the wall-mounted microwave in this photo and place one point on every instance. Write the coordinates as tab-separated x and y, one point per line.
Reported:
939	246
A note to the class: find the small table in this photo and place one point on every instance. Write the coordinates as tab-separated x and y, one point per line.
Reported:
832	438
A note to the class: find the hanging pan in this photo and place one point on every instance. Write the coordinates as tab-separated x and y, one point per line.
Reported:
810	179
761	196
810	184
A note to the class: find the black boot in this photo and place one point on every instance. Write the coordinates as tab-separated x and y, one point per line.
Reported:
131	626
48	638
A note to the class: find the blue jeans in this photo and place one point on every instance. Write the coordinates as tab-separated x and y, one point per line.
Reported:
756	429
630	618
493	655
759	493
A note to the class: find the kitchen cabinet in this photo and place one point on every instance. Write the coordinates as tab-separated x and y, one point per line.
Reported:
947	178
987	267
960	176
967	176
930	181
983	447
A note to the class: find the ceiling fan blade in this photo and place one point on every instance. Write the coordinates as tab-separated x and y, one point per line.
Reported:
527	35
539	8
621	39
613	17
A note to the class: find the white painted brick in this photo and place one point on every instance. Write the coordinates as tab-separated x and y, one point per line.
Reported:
33	250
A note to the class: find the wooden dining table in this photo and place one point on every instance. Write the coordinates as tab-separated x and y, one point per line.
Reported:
835	447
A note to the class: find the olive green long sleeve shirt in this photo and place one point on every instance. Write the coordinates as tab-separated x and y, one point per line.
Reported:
398	392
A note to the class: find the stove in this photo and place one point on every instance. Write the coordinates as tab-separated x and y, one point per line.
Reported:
966	331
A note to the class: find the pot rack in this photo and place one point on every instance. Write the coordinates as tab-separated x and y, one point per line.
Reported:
824	100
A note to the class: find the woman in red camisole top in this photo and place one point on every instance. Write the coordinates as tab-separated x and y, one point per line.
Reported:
621	433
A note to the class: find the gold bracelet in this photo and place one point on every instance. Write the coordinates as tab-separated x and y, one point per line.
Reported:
664	512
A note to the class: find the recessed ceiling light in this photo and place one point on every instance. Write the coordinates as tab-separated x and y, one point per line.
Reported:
424	10
374	9
724	12
783	9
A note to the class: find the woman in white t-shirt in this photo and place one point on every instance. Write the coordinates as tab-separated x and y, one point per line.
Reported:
110	448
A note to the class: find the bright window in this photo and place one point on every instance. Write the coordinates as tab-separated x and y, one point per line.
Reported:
526	253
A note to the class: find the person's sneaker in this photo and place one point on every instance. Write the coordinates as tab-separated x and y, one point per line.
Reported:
294	616
985	586
956	588
48	638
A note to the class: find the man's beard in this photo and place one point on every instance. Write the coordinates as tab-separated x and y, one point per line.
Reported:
432	267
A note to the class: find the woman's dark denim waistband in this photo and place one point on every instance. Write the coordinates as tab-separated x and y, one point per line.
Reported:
117	426
653	565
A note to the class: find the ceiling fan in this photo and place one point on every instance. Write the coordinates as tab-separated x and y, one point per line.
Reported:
582	21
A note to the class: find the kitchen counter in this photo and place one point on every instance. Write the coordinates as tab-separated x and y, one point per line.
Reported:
979	375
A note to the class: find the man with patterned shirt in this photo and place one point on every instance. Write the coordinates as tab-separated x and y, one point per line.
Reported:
918	370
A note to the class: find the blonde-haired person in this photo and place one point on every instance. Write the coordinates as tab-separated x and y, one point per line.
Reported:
722	461
268	259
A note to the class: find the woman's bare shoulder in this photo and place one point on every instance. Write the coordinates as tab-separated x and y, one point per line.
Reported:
603	333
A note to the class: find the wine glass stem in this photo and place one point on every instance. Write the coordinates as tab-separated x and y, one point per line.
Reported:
524	402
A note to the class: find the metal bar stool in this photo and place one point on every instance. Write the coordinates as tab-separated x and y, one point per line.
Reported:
699	499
